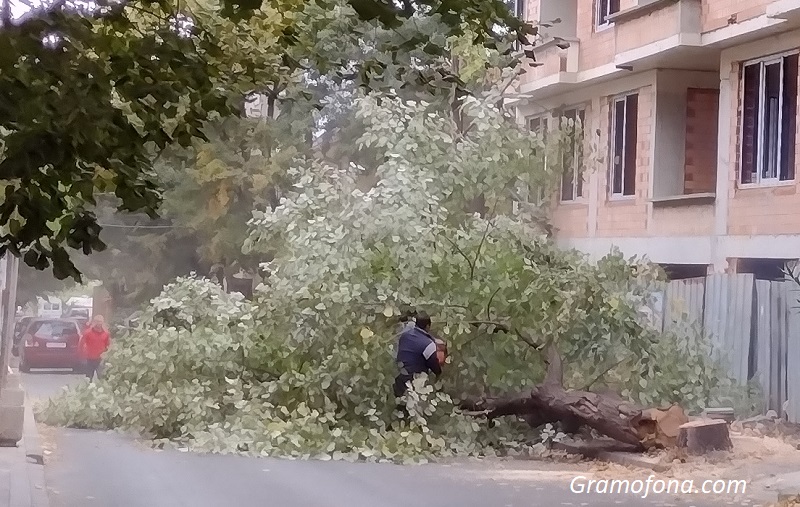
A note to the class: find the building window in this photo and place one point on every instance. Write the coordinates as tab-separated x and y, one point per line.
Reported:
572	155
624	116
517	7
538	125
769	111
605	8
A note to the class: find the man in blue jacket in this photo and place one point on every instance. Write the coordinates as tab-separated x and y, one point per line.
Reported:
416	353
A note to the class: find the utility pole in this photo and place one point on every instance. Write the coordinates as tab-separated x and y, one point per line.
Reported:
9	291
12	397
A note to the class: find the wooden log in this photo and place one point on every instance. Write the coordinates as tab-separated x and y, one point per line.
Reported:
605	412
704	435
608	414
659	428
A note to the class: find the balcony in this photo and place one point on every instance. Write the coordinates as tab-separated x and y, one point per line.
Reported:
555	69
659	34
788	10
657	31
684	175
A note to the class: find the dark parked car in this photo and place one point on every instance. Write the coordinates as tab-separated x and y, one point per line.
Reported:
50	343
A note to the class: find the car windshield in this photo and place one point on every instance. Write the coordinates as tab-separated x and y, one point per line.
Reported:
50	329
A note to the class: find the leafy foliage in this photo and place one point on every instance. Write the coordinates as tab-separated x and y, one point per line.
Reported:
200	389
306	369
88	93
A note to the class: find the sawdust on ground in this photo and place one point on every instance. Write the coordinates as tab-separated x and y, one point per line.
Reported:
749	454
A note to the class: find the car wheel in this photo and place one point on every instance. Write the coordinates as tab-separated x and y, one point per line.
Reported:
24	367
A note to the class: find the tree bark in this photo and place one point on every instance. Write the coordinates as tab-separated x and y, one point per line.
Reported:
701	436
605	412
550	403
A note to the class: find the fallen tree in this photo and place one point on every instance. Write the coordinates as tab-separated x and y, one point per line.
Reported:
306	368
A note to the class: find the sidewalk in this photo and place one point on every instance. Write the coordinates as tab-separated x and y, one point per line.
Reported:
22	482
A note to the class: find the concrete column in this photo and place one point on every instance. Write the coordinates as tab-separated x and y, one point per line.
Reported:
718	256
12	397
9	312
593	175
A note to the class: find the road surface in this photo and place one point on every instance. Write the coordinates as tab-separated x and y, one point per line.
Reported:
105	469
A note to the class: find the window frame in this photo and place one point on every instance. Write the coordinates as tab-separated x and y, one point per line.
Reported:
519	8
519	11
614	100
759	181
599	15
545	119
578	160
523	189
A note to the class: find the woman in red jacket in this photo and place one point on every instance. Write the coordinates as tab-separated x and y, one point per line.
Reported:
93	344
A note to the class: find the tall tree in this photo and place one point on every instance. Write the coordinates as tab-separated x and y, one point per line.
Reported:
211	187
87	93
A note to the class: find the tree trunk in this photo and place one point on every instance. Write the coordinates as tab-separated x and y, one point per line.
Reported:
607	413
550	403
699	437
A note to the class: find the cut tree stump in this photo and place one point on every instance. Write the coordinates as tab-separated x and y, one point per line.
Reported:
704	435
726	414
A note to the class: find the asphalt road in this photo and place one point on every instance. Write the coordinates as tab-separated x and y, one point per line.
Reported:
105	469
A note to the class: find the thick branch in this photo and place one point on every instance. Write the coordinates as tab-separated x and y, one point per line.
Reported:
555	368
609	415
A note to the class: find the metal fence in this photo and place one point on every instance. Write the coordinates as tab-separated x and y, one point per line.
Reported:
754	326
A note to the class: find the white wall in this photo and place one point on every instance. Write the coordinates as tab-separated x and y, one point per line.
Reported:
663	250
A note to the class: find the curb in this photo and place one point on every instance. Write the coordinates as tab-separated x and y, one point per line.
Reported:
35	458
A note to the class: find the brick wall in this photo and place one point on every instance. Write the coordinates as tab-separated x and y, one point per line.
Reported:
658	25
532	9
683	221
702	117
715	13
571	220
597	48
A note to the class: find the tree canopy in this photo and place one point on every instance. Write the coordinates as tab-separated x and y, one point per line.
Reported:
90	93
